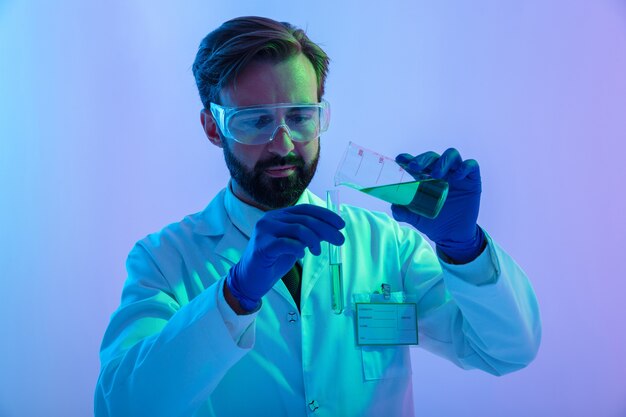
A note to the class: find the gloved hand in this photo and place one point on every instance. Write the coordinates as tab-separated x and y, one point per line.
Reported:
277	242
454	230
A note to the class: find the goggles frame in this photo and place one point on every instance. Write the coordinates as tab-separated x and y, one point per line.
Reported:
223	114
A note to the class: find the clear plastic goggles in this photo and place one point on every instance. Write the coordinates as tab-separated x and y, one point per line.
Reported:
256	125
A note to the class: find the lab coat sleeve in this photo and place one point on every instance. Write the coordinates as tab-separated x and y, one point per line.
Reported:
483	314
158	357
240	327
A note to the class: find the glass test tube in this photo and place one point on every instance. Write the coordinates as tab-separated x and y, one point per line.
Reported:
334	254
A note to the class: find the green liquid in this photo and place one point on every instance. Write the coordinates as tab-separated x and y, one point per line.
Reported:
425	197
337	288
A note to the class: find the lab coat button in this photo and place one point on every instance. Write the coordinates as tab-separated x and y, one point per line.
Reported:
313	405
292	317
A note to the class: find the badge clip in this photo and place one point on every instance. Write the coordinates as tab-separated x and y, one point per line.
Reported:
386	289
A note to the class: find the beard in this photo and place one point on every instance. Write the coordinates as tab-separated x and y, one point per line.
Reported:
269	191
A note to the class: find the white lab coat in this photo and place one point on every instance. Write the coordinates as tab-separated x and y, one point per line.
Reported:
168	351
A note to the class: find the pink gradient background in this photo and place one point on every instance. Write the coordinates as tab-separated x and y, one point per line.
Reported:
100	144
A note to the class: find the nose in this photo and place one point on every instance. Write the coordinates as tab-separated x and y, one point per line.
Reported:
280	142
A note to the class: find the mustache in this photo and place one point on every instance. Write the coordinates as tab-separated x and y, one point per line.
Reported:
280	161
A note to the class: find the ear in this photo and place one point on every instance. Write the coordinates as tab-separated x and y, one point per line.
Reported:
210	128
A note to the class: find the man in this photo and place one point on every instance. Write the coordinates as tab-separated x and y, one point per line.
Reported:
228	312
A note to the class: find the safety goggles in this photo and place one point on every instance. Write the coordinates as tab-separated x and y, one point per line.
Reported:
256	125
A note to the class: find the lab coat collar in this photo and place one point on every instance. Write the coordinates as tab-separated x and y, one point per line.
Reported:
226	209
242	215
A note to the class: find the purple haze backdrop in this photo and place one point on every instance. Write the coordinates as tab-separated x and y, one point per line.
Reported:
100	144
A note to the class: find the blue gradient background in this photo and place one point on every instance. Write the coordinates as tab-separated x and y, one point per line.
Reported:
100	144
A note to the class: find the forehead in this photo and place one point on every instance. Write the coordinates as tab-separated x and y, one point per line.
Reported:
266	82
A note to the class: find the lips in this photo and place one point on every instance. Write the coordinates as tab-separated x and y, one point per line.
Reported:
281	171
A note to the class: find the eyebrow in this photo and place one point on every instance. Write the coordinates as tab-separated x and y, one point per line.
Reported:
299	107
265	110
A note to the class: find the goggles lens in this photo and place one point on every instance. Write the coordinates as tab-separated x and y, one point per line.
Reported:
258	124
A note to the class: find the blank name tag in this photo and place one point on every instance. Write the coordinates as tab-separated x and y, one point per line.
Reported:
386	324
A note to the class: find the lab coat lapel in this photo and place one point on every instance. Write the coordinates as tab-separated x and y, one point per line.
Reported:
232	244
213	221
313	267
231	247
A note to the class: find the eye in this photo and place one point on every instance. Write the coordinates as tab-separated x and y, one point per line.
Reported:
255	121
263	121
300	117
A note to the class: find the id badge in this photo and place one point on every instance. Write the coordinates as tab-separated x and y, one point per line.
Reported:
386	323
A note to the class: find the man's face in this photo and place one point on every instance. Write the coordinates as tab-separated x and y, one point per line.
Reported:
274	174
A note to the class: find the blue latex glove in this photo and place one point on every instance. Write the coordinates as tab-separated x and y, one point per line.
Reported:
277	242
454	230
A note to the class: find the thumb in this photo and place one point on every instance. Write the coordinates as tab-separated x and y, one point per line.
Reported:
402	214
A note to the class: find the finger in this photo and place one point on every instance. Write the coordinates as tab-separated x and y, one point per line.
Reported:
321	229
321	221
402	214
469	169
310	231
404	158
296	232
449	162
417	164
320	213
283	247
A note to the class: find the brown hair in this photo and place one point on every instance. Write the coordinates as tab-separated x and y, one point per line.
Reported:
226	51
